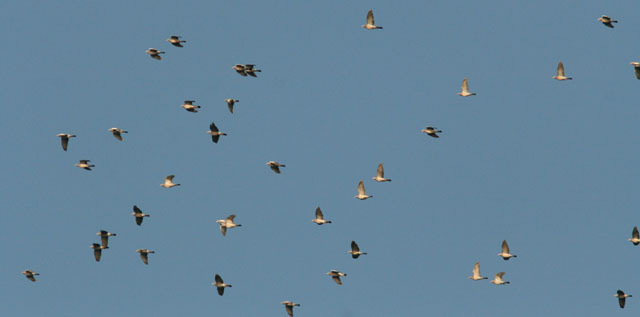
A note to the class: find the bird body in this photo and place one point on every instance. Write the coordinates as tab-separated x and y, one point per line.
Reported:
214	132
117	133
230	102
497	280
220	284
362	195
64	139
144	255
176	41
465	89
139	215
189	106
432	132
505	254
289	307
30	275
607	21
622	297
227	224
275	166
476	273
154	53
371	24
335	275
380	175
104	237
85	164
320	217
560	73
355	250
168	182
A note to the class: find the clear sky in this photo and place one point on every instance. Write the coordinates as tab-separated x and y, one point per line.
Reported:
550	166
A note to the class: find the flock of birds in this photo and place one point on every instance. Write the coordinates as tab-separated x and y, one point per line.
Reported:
228	223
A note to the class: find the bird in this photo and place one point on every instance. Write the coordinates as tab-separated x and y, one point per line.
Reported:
85	164
476	273
497	280
168	182
560	75
117	133
635	237
215	133
97	250
432	132
230	103
104	237
220	284
139	215
361	193
227	224
355	250
189	106
607	21
246	69
505	251
636	66
465	89
335	275
176	41
275	166
288	305
320	217
154	53
380	174
622	297
144	255
30	275
64	139
371	24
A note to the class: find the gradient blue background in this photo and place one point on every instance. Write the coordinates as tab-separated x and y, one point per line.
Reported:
550	166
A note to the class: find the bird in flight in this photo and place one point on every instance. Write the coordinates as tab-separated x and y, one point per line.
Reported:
97	251
335	275
230	102
30	275
139	215
227	224
465	89
154	53
607	21
320	217
220	284
85	164
505	251
497	280
362	195
432	132
215	133
144	255
189	106
117	133
246	69
355	250
176	41
104	237
64	139
560	73
635	237
622	297
168	182
275	166
371	24
288	305
476	273
380	174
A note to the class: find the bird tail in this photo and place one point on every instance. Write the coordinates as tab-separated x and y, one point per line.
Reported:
614	21
224	134
570	78
328	221
378	27
36	273
282	165
197	106
299	304
507	282
177	184
125	131
92	166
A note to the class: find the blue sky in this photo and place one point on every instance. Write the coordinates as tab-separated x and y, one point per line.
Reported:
550	166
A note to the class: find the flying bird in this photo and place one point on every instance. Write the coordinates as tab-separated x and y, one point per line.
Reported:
144	255
320	217
371	24
476	273
497	280
97	250
465	89
246	69
361	193
505	251
622	297
117	133
189	106
215	133
30	275
220	285
176	41
432	132
230	103
85	164
227	224
139	215
275	166
355	250
168	182
607	21
104	237
635	237
288	305
560	75
154	53
335	275
380	174
636	67
64	138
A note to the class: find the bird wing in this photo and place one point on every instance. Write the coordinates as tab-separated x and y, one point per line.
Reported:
370	20
289	310
336	279
635	234
65	139
229	219
560	69
169	178
145	257
219	279
275	168
117	135
139	220
136	209
249	66
621	301
380	172
31	277
84	161
465	85
319	214
476	270
223	229
354	246
105	241
499	275
361	188
97	252
251	73
213	127
230	105
215	138
220	291
637	72
505	246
